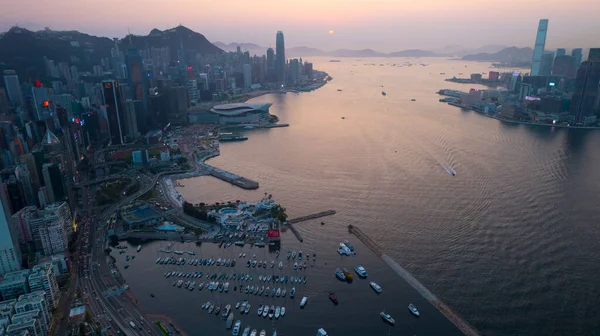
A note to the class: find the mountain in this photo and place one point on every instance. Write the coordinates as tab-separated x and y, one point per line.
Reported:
304	51
413	53
24	50
355	53
513	56
254	49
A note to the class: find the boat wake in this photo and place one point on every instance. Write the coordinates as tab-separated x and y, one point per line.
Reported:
449	170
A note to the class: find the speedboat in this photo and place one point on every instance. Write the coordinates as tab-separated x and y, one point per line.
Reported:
271	312
376	287
260	310
277	312
282	311
387	317
265	311
237	305
339	274
333	298
293	292
278	292
236	328
247	310
303	302
295	265
413	309
263	333
280	265
254	332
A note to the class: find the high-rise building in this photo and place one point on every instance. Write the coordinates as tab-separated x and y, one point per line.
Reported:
280	58
35	301
13	87
540	44
294	70
10	255
130	114
584	105
43	278
138	79
111	98
54	182
561	52
594	55
546	64
270	65
27	324
578	54
564	66
247	75
14	284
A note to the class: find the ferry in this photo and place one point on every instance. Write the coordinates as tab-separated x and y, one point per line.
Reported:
340	275
236	328
303	302
387	317
413	309
139	248
347	273
376	287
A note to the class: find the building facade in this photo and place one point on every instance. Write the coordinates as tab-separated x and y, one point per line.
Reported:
43	278
540	44
280	58
10	255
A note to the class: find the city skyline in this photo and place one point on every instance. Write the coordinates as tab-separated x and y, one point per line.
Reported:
356	25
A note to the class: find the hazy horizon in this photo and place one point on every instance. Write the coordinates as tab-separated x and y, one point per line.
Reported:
356	24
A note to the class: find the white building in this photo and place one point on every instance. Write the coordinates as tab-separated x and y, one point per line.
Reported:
33	301
43	278
27	323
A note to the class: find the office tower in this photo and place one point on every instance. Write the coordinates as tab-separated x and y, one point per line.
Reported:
193	92
584	105
43	278
10	255
546	64
540	44
561	52
138	79
111	98
247	76
270	65
308	69
54	182
131	127
594	55
280	58
13	87
564	66
578	54
294	70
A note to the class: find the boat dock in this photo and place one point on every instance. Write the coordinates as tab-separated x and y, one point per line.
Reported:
232	178
461	324
312	216
295	232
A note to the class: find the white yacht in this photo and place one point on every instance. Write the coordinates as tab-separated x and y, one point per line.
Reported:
376	287
303	302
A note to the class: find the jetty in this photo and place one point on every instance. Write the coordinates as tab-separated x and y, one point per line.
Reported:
232	178
311	216
461	324
295	232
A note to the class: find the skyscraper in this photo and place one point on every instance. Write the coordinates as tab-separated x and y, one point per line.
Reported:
270	65
138	79
578	54
53	178
546	64
111	97
280	58
13	87
561	52
564	66
10	256
594	55
247	76
540	44
584	105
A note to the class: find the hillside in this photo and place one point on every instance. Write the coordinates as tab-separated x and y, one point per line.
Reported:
512	56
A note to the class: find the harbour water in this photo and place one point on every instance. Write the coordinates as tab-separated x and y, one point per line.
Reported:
509	243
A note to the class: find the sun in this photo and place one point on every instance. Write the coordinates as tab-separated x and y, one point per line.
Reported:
331	32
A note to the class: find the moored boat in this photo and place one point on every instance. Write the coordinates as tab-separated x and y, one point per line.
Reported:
347	273
333	298
236	328
375	287
303	302
339	274
387	317
277	312
293	292
271	312
413	309
361	271
282	311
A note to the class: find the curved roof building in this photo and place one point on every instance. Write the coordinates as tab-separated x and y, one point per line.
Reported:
237	109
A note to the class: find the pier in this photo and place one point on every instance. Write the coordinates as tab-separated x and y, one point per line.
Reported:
461	324
232	178
312	216
295	232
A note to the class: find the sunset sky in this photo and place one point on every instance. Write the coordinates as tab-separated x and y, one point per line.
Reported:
383	25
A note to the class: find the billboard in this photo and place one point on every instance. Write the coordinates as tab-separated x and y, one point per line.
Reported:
273	234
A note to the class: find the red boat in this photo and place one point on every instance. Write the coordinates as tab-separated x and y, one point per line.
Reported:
333	298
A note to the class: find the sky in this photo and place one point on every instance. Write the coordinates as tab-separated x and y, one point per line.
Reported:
382	25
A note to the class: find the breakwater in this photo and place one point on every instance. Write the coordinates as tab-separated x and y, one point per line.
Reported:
232	178
311	216
461	324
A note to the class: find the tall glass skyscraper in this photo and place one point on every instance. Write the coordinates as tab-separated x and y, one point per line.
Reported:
280	58
540	44
10	256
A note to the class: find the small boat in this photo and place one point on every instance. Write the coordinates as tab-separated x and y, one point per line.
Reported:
243	306
217	310
254	263
361	271
259	263
413	99
376	287
339	274
277	312
277	254
333	298
273	291
139	248
293	292
295	265
204	305
237	305
272	312
413	309
229	321
247	310
236	328
289	254
254	332
151	295
246	331
387	317
126	258
282	311
226	312
283	292
303	302
157	260
263	333
321	332
265	311
293	254
267	291
383	93
300	255
240	255
211	308
233	263
126	266
278	293
260	310
347	273
280	265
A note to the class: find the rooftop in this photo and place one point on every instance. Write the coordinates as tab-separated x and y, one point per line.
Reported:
239	108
